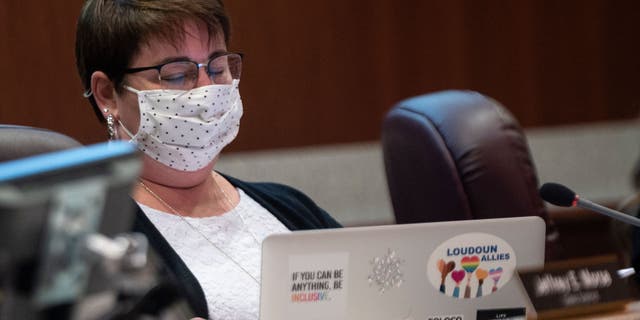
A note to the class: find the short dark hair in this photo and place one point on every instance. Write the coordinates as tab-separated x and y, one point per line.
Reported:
110	32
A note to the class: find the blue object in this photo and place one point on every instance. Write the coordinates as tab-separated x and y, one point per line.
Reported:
63	159
456	292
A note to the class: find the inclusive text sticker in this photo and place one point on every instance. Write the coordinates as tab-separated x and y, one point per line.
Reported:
318	285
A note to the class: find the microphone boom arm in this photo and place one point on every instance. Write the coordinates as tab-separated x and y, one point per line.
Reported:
583	203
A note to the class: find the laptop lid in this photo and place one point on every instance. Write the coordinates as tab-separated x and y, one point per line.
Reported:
444	270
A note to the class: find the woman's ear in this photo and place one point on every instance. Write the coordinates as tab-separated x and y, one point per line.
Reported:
104	93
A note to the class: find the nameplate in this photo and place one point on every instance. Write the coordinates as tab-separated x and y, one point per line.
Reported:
575	287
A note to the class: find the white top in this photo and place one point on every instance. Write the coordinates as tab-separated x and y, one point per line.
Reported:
231	293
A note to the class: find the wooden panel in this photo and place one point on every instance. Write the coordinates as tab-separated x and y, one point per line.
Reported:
39	83
621	63
327	72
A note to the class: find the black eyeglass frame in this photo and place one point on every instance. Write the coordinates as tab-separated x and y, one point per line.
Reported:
199	65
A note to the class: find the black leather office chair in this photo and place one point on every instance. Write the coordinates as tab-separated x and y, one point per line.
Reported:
458	155
22	141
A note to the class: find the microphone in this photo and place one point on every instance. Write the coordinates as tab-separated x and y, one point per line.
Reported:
562	196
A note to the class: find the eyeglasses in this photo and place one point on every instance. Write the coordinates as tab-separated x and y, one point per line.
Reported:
222	68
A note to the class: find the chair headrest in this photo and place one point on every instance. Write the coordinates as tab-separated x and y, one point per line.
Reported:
23	141
457	155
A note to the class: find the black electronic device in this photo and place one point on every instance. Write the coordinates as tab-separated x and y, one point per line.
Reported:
62	214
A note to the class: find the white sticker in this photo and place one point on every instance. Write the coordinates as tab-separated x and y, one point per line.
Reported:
471	265
318	285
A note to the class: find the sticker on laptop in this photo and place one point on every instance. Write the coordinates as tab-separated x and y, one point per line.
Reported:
318	285
471	265
386	271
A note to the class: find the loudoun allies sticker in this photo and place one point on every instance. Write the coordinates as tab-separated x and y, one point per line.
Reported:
471	265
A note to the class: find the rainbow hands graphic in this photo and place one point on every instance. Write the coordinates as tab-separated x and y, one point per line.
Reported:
495	274
469	264
481	274
445	268
457	276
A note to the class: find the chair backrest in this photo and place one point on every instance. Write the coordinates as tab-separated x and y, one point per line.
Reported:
457	155
21	141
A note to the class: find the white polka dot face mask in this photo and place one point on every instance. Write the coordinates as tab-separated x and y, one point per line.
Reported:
186	130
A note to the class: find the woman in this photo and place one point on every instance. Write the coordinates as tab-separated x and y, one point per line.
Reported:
160	75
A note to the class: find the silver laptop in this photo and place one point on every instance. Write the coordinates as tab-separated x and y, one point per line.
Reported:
455	270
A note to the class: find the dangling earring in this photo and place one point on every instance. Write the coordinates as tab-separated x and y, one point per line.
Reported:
111	128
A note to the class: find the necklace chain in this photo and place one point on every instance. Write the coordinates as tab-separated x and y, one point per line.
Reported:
182	217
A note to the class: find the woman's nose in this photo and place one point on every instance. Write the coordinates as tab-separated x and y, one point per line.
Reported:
203	77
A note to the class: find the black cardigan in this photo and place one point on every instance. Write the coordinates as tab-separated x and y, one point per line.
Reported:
293	208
